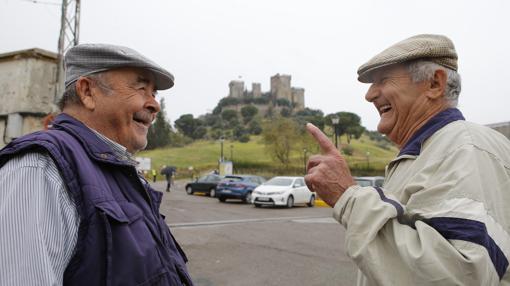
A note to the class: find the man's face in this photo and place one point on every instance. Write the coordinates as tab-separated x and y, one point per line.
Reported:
125	106
399	101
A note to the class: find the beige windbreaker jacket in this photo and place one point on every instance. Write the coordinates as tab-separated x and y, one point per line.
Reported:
443	215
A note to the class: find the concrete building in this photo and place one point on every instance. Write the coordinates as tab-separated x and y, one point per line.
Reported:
502	127
236	88
27	91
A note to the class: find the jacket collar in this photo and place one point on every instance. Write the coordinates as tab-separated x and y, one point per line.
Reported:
413	147
97	147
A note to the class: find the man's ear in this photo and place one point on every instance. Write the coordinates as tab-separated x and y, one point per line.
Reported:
437	85
85	92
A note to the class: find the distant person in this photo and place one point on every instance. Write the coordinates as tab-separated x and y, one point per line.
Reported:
168	172
442	216
73	209
154	175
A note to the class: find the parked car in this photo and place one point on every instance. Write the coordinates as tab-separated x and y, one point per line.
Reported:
283	191
238	187
369	181
206	184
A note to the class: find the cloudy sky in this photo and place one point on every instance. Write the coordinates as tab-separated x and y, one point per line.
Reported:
321	43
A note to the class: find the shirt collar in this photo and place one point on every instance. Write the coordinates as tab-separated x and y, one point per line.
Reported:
119	150
413	147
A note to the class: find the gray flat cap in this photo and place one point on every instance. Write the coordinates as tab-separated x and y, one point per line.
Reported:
435	48
86	59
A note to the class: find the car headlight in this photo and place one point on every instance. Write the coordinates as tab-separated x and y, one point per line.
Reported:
276	193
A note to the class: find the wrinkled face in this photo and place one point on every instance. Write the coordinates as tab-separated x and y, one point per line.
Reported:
125	106
399	101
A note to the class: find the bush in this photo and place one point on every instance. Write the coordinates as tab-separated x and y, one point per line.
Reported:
348	150
244	138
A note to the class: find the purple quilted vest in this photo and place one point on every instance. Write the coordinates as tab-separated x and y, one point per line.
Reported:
122	239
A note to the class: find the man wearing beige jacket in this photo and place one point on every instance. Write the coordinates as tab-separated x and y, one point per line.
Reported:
442	217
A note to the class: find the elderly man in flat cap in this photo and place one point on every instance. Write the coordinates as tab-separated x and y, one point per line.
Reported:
73	209
442	217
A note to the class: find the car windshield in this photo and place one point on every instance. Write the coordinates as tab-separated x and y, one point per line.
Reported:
232	179
279	182
364	183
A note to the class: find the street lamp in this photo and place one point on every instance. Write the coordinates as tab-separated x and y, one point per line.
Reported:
232	153
304	158
335	120
368	160
221	154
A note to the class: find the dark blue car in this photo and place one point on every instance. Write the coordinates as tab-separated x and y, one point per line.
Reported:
238	187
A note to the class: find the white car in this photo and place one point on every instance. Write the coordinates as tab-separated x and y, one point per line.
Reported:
283	191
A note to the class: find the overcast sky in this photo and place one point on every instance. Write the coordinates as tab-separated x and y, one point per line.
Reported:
321	43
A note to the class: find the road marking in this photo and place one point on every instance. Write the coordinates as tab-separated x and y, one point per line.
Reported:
243	221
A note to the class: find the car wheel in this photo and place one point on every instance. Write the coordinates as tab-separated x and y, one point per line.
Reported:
247	198
257	205
189	190
222	199
311	203
212	192
290	201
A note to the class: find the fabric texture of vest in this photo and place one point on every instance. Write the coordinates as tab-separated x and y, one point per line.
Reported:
122	239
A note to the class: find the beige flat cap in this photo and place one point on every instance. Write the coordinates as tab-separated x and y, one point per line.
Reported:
435	48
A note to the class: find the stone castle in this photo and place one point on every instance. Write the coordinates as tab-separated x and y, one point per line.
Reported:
280	89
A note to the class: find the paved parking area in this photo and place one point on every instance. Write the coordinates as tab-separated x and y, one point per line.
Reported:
237	244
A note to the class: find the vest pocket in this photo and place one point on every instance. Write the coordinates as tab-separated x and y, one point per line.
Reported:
130	251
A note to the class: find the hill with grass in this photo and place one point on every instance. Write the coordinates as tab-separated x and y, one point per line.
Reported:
364	155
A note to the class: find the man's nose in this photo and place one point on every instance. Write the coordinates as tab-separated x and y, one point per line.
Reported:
153	105
372	93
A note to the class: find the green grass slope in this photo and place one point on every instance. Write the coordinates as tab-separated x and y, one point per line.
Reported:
368	158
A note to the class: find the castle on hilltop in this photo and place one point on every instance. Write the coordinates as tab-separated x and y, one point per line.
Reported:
280	89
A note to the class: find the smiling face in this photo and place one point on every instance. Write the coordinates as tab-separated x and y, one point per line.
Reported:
404	106
124	106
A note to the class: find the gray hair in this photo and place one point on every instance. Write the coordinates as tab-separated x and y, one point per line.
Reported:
422	70
70	96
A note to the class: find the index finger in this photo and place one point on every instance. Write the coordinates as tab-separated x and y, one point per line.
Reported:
326	146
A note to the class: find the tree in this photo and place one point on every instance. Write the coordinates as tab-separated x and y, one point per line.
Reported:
349	123
280	137
159	132
187	124
248	112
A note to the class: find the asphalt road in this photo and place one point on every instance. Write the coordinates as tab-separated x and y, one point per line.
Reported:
237	244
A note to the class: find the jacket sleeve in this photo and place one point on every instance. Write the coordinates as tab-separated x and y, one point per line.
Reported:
444	236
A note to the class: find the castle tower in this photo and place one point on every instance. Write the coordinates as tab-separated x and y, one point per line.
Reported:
256	89
236	88
298	98
280	87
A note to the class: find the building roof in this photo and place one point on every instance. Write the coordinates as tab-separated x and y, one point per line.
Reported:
29	53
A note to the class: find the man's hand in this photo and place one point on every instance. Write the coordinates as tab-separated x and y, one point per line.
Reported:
328	174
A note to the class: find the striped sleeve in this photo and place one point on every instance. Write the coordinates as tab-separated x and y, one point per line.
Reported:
38	222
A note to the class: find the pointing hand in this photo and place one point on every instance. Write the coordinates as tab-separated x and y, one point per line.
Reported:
328	173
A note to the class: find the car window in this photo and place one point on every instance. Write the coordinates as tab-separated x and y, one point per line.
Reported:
202	179
363	183
299	183
216	179
279	182
232	179
379	183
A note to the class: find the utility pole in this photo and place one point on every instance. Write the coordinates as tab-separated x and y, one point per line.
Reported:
69	37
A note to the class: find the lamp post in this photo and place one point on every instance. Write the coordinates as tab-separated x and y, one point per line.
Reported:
335	120
232	153
221	154
368	160
304	159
